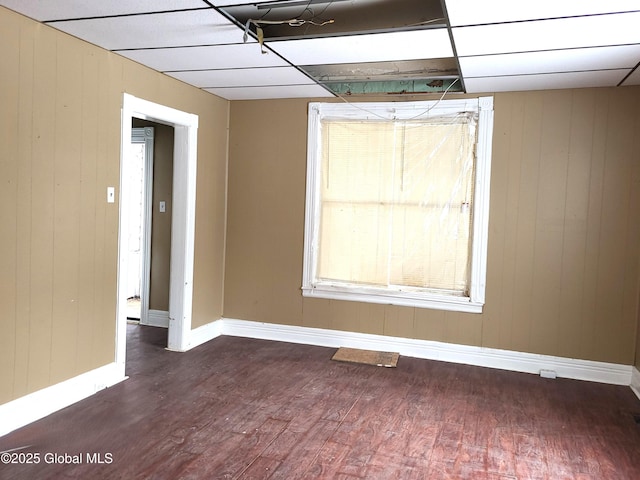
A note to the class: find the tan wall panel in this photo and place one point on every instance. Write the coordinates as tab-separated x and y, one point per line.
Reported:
42	207
316	313
24	201
631	280
211	206
575	223
399	322
357	317
619	229
88	217
430	325
67	200
527	201
61	241
563	234
609	287
9	175
594	217
549	228
107	126
263	280
502	252
462	328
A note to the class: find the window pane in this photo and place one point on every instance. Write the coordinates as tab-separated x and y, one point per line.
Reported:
356	199
396	202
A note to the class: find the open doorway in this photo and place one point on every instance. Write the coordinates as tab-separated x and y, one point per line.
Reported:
149	241
182	220
139	186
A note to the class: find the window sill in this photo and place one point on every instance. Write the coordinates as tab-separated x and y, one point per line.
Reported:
405	299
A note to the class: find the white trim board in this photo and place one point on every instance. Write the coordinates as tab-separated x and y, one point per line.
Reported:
157	318
182	220
343	289
635	381
34	406
602	372
204	333
37	405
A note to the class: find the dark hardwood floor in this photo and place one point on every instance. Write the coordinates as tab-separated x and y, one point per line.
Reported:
243	408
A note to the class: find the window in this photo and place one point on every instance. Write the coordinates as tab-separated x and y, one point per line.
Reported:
398	202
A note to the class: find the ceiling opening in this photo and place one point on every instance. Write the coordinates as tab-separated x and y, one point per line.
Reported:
313	23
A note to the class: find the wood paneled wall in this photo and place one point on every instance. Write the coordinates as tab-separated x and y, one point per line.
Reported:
564	236
60	116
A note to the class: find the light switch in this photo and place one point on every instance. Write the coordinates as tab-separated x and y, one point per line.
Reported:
163	206
111	194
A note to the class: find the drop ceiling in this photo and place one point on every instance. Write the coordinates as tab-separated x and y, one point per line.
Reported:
259	49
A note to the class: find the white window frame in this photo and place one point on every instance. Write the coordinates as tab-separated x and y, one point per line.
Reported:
311	287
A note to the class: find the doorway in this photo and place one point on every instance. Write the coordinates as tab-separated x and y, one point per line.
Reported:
150	226
182	222
139	186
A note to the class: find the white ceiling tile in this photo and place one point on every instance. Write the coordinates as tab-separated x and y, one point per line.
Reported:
550	61
599	30
605	78
205	58
473	12
633	79
44	10
245	77
588	40
410	45
196	27
272	92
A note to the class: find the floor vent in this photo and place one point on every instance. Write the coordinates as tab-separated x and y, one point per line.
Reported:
636	418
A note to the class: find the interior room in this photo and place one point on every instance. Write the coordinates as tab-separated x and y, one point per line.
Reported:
250	263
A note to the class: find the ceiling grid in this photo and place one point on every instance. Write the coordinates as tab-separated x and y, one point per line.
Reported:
259	49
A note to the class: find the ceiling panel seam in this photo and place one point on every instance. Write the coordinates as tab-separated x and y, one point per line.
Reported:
124	15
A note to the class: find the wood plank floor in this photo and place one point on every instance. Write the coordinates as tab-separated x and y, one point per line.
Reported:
252	409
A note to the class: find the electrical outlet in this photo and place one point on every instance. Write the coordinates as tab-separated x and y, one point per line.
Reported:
111	194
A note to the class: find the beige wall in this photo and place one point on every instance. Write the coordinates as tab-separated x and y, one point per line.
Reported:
60	117
160	221
564	230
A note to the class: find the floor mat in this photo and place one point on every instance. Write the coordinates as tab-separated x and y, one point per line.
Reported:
368	357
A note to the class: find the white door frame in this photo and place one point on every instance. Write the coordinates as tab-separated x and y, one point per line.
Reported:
182	223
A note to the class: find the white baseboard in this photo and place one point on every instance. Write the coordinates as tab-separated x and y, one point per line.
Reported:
635	381
203	334
37	405
158	318
34	406
484	357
